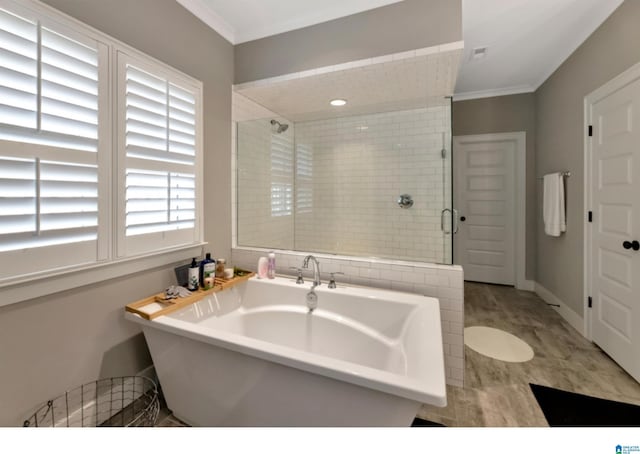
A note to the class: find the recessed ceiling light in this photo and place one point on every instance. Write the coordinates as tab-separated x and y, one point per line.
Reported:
338	102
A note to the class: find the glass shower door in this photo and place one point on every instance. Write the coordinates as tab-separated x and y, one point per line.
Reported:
448	215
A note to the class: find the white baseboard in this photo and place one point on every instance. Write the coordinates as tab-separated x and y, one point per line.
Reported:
565	312
527	285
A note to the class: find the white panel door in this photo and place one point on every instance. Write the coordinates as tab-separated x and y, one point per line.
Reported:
615	230
484	198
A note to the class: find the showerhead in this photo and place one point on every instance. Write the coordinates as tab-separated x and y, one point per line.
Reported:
281	127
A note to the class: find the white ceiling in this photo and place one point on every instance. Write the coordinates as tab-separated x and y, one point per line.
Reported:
526	39
245	20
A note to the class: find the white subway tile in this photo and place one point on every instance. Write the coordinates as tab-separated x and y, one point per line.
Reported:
457	373
350	270
456	328
413	277
402	286
456	362
452	316
370	273
456	351
452	339
432	292
451	293
394	275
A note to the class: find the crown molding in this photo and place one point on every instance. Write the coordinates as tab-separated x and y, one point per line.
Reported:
493	92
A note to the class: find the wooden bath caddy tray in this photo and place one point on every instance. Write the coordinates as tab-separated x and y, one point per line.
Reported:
155	306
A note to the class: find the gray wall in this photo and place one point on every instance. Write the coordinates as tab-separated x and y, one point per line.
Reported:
407	25
506	114
560	135
54	343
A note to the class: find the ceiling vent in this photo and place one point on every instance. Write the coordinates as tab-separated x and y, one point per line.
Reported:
478	53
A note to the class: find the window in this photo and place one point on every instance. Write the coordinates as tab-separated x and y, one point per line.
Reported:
50	90
64	163
159	141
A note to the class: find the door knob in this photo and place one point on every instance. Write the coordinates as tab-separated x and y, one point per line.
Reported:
635	245
463	218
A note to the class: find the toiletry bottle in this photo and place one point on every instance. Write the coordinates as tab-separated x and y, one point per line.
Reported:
263	266
194	271
207	269
220	266
271	265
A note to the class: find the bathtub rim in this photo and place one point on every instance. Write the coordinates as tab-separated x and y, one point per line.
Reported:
433	392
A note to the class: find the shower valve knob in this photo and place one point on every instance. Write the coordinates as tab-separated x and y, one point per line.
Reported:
405	201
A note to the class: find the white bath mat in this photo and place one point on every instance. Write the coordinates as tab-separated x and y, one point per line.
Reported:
497	344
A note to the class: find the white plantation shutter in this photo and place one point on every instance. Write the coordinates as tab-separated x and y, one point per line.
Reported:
18	71
45	203
63	109
281	175
304	179
49	142
48	86
159	201
159	140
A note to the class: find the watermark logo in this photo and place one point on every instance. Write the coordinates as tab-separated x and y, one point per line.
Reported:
632	449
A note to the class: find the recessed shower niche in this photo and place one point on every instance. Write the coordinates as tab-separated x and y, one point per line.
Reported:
311	176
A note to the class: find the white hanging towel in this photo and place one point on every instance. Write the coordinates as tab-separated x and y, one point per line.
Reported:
553	213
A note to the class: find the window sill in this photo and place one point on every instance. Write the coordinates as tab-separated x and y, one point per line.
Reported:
35	286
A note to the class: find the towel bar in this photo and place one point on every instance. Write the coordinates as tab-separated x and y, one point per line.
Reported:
565	174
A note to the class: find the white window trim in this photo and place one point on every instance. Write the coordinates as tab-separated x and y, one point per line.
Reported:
35	286
26	287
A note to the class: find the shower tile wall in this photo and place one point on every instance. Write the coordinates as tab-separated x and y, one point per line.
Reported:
351	170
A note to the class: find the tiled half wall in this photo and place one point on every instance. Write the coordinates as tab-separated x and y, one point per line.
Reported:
444	282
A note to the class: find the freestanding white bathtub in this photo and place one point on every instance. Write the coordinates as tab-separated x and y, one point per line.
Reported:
253	355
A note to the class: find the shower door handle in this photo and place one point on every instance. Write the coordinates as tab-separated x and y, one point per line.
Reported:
454	215
442	219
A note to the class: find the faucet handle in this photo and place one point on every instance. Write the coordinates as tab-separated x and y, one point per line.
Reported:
332	281
299	280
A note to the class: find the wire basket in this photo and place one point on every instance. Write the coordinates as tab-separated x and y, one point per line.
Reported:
130	401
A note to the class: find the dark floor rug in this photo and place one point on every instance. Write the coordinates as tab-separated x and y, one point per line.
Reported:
563	408
419	422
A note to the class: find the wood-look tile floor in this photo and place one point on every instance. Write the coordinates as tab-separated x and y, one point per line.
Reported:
497	393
